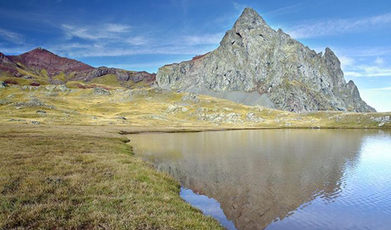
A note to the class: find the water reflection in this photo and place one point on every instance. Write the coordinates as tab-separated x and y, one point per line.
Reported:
259	176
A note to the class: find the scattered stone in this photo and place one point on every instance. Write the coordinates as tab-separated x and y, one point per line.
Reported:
140	92
108	174
381	124
154	117
32	103
55	181
176	108
257	108
12	119
233	117
381	119
4	102
40	112
121	118
253	118
35	122
101	91
3	84
191	97
52	94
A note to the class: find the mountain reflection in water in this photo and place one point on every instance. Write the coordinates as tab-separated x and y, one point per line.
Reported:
263	176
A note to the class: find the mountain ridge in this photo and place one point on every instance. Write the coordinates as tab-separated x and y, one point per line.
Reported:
257	65
45	66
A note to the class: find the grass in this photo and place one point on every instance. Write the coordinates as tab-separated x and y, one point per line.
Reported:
108	79
74	171
85	178
149	108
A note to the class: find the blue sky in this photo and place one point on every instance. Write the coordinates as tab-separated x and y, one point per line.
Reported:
144	35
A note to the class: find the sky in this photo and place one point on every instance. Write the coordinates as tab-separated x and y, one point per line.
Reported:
147	34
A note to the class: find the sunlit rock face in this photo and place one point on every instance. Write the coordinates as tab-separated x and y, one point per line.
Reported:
257	65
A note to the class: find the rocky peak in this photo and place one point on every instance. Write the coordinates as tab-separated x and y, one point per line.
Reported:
249	19
256	65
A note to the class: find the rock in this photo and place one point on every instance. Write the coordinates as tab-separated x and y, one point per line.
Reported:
381	124
12	119
3	84
176	108
253	118
40	111
52	94
121	118
54	181
233	117
191	97
32	103
35	122
256	65
101	91
4	102
381	119
154	117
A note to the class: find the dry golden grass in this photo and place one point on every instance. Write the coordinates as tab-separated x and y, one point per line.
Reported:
85	178
65	166
150	108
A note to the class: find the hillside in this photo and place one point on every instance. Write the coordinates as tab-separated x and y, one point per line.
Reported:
42	67
157	109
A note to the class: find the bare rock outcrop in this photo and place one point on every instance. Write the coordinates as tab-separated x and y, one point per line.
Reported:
257	65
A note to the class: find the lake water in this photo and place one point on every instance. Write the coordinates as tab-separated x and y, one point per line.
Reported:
280	179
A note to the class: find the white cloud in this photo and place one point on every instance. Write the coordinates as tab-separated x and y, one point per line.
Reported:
106	51
346	61
283	10
117	28
338	26
11	36
239	6
380	89
368	71
137	41
204	39
379	61
105	31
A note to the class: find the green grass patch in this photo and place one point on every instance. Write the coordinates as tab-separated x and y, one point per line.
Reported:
76	178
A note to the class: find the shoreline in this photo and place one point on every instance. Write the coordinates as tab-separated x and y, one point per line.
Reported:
85	177
84	135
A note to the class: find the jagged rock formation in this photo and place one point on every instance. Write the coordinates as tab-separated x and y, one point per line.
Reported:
257	65
45	64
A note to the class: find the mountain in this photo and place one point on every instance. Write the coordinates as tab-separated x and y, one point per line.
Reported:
45	66
257	65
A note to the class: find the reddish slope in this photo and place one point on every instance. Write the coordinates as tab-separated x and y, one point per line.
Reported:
40	59
43	59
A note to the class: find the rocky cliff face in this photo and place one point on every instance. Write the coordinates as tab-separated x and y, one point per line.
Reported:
257	65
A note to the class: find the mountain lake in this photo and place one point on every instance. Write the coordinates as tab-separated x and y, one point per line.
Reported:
279	179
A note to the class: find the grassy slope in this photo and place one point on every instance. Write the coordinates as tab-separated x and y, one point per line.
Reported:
149	108
85	177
